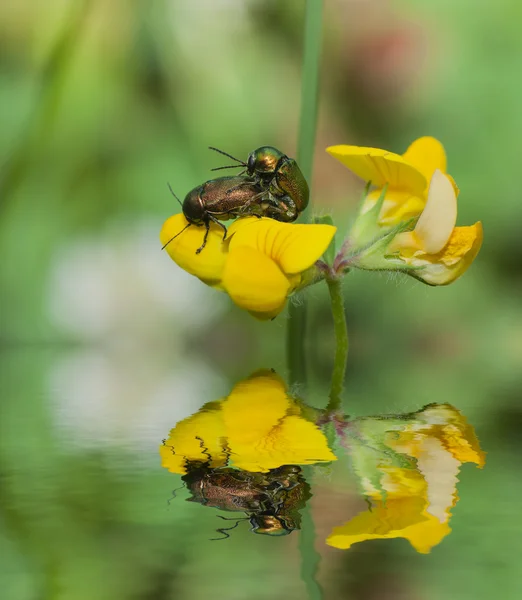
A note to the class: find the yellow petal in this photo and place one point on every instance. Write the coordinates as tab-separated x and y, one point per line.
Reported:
436	223
427	155
255	282
200	437
464	446
427	534
453	260
401	517
398	206
304	245
293	440
262	434
241	222
464	243
264	389
293	247
208	264
381	167
452	428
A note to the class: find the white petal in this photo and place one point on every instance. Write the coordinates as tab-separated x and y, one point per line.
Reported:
439	216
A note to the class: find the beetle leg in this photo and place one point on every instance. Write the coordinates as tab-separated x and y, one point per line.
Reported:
204	239
212	218
288	214
251	201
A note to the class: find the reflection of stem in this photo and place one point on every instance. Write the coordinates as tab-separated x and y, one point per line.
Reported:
309	556
341	343
296	331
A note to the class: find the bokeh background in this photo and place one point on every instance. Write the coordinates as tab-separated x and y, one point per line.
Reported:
105	344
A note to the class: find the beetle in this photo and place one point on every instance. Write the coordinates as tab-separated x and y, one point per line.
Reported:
271	500
280	176
219	200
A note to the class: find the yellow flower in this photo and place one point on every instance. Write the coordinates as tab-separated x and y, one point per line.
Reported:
259	265
397	515
439	251
412	500
442	422
406	176
257	427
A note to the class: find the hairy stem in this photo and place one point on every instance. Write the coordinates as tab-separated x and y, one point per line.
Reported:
341	343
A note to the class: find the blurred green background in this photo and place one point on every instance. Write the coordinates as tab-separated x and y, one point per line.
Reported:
105	343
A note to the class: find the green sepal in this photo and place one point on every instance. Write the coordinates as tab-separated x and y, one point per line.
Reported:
374	257
309	277
371	455
366	227
331	436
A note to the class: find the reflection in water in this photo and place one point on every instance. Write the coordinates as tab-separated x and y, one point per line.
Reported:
257	427
271	500
264	433
407	466
242	453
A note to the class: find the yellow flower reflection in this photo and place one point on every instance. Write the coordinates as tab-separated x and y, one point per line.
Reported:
259	265
408	469
257	427
407	176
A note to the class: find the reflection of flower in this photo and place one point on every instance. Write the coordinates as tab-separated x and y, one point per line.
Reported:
261	262
258	427
408	469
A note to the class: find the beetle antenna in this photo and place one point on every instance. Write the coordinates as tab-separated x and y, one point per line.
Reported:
174	493
175	236
227	167
172	192
229	155
224	530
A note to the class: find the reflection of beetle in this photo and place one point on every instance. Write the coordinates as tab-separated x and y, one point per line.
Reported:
271	500
219	200
281	178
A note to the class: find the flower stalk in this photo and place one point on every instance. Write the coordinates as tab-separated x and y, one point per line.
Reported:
341	342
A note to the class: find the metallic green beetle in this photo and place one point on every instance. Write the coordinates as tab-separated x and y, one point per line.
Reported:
280	176
220	200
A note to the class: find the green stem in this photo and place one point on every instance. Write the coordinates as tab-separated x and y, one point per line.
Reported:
295	349
341	343
296	332
309	89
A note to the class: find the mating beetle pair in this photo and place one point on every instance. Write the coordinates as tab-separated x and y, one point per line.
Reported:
271	501
272	187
